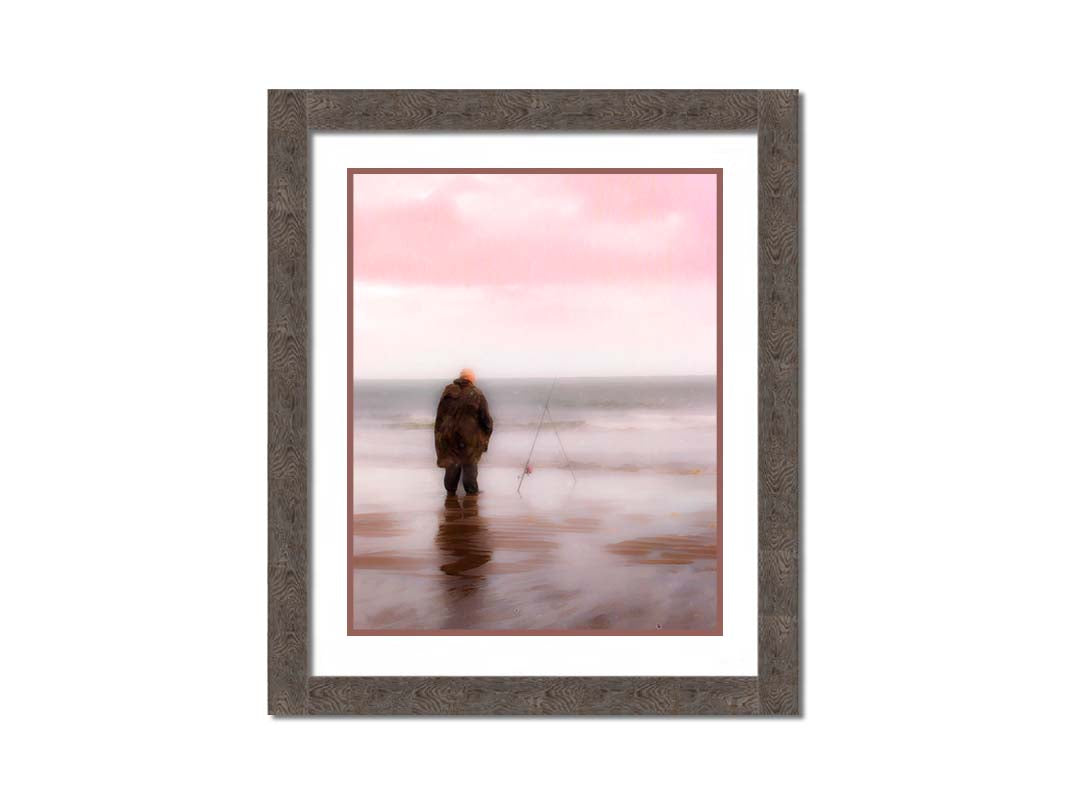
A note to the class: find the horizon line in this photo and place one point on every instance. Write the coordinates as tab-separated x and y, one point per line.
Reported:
546	377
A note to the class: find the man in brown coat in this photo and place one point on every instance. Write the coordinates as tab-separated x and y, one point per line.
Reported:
461	432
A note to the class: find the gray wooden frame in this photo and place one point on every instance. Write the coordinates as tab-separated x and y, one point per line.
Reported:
292	115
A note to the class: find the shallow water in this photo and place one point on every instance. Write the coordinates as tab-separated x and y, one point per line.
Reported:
623	539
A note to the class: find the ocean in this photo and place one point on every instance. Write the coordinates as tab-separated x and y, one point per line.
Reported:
661	425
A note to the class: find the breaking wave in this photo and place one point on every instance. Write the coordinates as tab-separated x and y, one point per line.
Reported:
622	422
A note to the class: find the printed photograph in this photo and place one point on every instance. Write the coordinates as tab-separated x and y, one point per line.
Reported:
534	402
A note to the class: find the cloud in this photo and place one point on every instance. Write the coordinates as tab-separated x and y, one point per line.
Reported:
514	330
463	230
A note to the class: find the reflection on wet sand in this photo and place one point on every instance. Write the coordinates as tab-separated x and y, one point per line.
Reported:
465	547
502	562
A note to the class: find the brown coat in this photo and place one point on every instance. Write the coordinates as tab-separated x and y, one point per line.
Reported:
463	427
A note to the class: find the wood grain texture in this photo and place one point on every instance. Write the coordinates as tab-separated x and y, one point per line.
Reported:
287	425
291	115
552	110
533	695
779	402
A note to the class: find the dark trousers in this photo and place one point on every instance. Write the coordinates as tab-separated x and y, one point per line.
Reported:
470	478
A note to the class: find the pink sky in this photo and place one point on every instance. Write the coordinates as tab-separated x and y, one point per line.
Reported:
534	274
456	230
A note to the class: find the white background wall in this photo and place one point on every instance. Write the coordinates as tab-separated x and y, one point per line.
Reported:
133	451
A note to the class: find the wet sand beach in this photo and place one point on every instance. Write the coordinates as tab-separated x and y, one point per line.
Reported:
562	556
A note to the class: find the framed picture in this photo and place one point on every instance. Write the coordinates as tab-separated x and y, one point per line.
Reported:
533	402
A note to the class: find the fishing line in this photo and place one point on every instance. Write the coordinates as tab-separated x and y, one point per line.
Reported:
537	433
574	478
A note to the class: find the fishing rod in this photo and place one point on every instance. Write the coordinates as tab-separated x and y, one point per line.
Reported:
526	468
567	458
